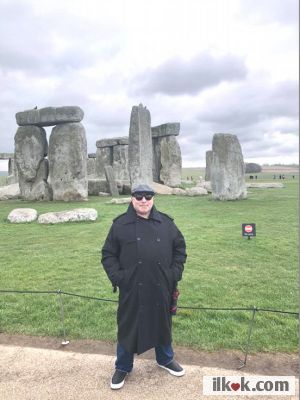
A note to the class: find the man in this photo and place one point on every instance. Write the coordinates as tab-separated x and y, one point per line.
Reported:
143	255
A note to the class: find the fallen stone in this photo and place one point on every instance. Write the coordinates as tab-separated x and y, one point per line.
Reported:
179	192
78	214
161	189
265	185
10	192
124	200
204	184
196	191
49	116
103	194
21	215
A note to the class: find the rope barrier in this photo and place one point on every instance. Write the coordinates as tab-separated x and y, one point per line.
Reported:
59	294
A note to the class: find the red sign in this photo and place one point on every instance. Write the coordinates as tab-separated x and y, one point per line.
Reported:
248	228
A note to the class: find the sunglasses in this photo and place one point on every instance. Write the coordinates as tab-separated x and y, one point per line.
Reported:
139	196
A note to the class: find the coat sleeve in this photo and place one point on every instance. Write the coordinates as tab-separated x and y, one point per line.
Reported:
110	258
179	254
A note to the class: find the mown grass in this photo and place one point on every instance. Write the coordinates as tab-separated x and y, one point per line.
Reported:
223	270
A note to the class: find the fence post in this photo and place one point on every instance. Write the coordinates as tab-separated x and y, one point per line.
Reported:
243	363
62	317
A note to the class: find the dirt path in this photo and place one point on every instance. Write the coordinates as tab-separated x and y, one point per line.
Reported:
41	369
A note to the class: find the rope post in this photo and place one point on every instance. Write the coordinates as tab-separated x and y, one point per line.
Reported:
243	363
62	317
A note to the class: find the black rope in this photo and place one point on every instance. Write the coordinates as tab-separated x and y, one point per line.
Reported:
116	301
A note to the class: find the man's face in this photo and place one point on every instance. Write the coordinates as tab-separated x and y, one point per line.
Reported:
141	205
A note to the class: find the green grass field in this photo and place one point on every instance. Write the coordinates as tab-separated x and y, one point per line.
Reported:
223	270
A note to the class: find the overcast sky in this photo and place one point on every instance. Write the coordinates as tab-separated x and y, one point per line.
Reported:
215	66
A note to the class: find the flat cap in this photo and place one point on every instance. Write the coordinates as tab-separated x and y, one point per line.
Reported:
142	188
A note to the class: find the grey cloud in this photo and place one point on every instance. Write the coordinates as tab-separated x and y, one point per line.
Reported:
251	104
179	77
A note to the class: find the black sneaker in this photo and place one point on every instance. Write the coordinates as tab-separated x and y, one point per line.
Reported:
118	379
173	368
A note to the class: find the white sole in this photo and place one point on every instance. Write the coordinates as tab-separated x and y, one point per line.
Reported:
115	386
180	373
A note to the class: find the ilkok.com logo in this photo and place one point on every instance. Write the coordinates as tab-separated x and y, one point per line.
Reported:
249	385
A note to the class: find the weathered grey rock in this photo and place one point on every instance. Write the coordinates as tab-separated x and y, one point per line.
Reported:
161	189
68	162
10	192
170	160
204	184
91	166
104	157
120	162
140	146
112	185
97	185
103	194
30	148
49	116
208	158
179	192
227	168
265	185
123	200
92	155
112	142
12	171
78	214
169	129
196	191
21	215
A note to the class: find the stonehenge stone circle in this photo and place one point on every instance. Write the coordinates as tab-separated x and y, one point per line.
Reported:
68	162
140	146
50	116
30	149
227	168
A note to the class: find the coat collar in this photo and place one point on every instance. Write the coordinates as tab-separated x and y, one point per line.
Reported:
131	215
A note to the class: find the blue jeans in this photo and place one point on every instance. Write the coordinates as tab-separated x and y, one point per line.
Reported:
124	361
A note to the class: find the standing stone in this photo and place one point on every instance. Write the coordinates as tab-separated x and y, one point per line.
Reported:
227	168
91	166
12	171
103	158
67	159
208	165
120	162
167	161
170	160
30	149
140	146
112	185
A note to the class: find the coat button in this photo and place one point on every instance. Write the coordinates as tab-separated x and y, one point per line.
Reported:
140	262
138	238
158	262
158	239
140	284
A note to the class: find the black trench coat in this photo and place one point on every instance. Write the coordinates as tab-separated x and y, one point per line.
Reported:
144	258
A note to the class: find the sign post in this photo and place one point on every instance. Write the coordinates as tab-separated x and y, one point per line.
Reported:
248	230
